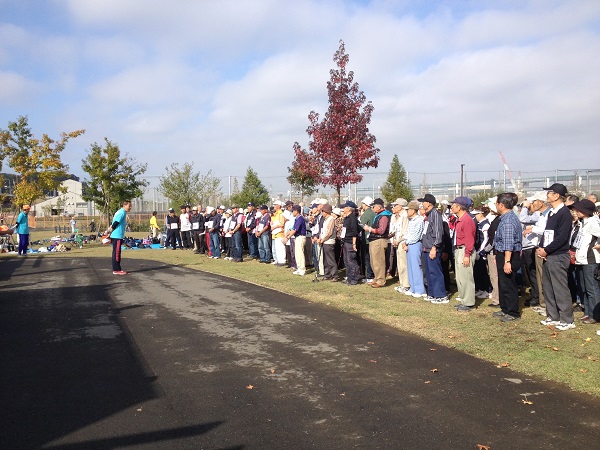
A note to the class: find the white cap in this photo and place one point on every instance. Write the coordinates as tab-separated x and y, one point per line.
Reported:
367	201
337	211
209	209
322	201
492	206
278	202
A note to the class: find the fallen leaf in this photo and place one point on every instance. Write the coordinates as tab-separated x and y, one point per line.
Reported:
139	409
583	370
434	370
556	349
343	394
433	349
450	337
272	370
483	447
249	387
504	364
526	401
427	382
370	342
372	361
588	339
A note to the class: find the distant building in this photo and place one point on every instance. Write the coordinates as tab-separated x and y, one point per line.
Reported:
70	203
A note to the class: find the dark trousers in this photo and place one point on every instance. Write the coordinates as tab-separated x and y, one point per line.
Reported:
186	237
236	242
482	278
173	238
531	272
508	290
116	254
23	243
352	268
329	263
434	274
252	245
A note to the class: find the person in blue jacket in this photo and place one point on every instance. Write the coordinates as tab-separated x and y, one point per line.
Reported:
117	233
22	225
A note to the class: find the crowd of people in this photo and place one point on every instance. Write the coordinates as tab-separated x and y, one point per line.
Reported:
550	242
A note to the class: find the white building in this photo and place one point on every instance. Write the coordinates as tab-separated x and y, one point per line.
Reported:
70	203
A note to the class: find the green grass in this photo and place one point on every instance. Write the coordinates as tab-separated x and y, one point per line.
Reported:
571	358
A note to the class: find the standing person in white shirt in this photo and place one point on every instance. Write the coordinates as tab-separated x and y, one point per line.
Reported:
398	227
186	227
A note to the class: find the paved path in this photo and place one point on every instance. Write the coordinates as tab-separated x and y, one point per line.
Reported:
165	357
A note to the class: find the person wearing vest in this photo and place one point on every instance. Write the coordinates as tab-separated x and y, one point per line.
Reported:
250	225
236	233
365	217
173	225
378	241
263	233
186	227
214	230
197	222
327	242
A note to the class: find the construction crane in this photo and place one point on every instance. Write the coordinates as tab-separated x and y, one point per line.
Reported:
507	169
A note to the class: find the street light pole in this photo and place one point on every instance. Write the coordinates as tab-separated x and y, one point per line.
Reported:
462	178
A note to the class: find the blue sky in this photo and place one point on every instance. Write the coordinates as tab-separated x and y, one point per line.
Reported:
229	84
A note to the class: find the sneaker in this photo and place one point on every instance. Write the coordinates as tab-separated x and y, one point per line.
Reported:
458	299
367	280
598	332
301	273
428	298
119	272
401	289
549	322
415	295
440	301
498	314
565	326
482	295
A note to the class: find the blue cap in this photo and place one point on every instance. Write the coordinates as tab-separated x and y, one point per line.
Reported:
349	203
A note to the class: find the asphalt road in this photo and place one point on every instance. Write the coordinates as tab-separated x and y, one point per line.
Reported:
168	357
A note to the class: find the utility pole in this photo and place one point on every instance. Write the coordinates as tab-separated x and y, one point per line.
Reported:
462	179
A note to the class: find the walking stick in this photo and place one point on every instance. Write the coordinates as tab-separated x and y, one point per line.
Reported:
316	280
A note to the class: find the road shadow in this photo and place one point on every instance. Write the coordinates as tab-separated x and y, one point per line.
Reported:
67	362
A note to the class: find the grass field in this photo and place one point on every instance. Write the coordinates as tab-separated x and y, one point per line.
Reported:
571	357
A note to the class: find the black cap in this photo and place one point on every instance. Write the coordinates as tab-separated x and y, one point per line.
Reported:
428	198
560	189
171	210
378	201
289	202
251	204
585	206
264	207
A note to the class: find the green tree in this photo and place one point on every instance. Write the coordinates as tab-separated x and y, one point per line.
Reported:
182	185
305	173
112	178
36	161
252	190
397	184
481	197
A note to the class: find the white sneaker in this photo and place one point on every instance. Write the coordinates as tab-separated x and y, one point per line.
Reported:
440	301
301	273
458	299
415	295
549	322
428	298
565	326
598	332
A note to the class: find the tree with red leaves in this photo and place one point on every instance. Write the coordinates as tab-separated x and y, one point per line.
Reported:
341	144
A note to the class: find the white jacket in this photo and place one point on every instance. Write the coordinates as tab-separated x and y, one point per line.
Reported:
589	236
